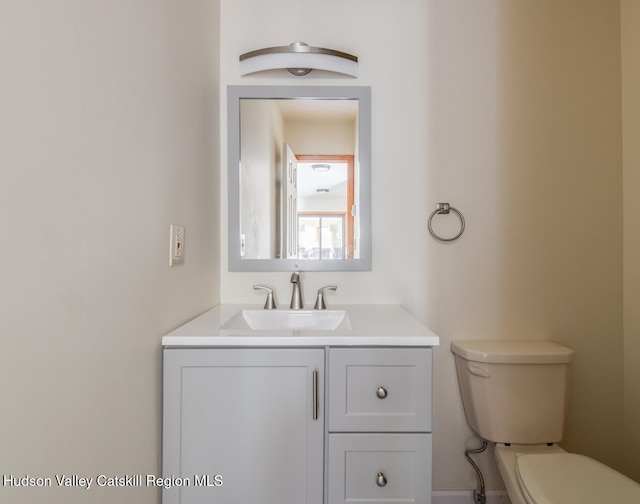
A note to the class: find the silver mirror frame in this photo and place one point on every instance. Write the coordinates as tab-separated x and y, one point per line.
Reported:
360	93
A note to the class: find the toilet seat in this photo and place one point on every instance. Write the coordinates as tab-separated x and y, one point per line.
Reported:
554	478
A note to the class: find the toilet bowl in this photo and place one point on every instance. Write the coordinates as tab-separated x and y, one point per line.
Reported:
514	394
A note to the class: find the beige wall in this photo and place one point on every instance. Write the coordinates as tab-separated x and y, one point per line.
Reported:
508	110
321	137
630	16
108	132
511	112
260	144
525	128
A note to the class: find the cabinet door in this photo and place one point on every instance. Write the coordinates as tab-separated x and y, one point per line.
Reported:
249	420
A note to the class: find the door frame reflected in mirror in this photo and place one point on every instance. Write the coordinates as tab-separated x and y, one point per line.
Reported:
234	96
347	248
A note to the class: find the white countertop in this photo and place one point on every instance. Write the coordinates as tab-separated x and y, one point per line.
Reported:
371	325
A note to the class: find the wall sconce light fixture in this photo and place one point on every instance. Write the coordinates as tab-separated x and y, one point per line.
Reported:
299	58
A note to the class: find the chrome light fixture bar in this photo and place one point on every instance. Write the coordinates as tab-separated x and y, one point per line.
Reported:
299	58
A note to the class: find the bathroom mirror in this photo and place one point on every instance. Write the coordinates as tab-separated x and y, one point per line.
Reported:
299	178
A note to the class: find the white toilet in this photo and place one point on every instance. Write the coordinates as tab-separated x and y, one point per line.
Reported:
513	393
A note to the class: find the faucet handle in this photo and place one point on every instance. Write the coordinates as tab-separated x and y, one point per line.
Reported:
320	304
270	303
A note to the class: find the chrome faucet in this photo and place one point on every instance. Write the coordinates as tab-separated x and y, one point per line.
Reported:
296	296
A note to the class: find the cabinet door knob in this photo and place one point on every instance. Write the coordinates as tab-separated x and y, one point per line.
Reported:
381	392
381	480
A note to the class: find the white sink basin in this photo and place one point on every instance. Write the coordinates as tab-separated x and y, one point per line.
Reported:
288	320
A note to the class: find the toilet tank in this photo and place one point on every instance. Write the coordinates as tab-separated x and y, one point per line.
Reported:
513	391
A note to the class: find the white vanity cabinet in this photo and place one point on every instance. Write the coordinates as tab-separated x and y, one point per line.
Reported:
300	416
259	423
243	425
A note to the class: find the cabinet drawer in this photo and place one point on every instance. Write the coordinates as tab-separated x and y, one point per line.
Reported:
379	468
380	390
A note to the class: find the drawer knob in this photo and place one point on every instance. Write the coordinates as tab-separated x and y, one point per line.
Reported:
381	480
381	392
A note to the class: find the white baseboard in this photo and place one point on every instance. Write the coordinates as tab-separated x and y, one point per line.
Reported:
466	497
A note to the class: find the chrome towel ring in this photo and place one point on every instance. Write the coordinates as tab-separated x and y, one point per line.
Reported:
443	209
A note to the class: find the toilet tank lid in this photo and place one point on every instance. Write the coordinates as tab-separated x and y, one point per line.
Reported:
512	351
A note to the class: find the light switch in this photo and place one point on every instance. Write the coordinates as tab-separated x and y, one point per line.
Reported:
176	253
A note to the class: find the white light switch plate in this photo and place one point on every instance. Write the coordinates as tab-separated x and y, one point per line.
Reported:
176	252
